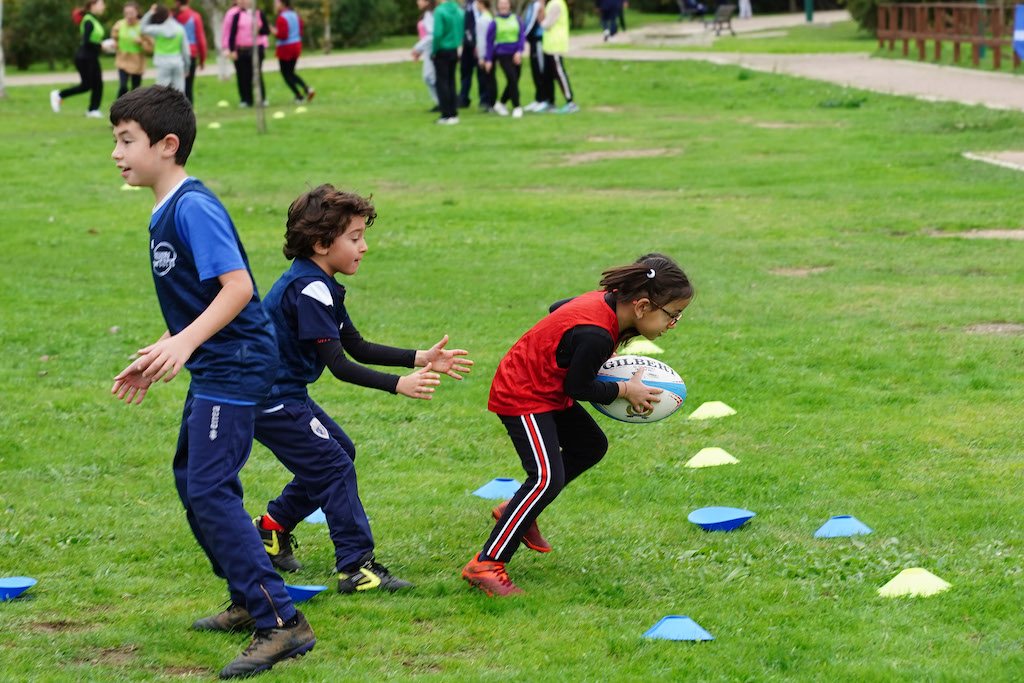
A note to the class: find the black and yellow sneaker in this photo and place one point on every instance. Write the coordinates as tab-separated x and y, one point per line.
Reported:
232	620
278	545
269	646
369	575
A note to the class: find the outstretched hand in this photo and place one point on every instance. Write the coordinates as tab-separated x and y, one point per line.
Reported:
419	384
130	385
163	359
445	361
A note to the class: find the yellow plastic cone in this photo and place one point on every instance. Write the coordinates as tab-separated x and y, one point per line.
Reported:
214	124
641	347
223	103
126	186
300	110
710	457
913	581
278	114
710	410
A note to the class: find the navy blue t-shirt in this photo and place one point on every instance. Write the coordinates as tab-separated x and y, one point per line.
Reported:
192	243
307	306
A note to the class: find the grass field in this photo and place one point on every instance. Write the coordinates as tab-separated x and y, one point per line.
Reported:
859	386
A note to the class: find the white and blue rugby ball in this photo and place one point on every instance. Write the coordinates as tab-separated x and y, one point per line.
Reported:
656	374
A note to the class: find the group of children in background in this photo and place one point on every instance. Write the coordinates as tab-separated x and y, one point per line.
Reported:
490	41
176	39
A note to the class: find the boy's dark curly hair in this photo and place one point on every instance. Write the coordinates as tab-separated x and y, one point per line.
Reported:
319	216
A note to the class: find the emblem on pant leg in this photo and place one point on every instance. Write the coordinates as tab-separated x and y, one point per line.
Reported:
214	422
318	428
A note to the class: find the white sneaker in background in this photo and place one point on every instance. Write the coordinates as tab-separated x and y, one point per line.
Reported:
94	114
55	101
501	109
517	113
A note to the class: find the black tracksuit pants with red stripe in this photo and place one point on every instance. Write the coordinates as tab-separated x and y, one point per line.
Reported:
555	448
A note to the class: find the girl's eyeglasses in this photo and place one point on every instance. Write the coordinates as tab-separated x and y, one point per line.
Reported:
673	319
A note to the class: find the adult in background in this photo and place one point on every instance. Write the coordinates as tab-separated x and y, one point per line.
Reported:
192	22
533	31
448	35
468	64
555	23
130	60
423	48
488	85
171	52
609	11
289	46
237	43
746	11
87	61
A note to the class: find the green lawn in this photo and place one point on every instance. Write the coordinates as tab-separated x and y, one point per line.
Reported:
859	388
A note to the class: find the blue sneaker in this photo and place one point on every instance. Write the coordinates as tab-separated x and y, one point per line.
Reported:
569	108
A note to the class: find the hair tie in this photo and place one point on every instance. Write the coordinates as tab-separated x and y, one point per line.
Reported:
651	274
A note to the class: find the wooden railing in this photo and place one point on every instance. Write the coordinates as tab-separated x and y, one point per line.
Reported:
979	26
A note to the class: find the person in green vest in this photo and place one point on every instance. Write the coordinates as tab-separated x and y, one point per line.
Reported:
505	40
130	59
87	61
556	43
172	53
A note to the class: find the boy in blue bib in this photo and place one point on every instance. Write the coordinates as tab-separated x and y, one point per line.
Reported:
218	330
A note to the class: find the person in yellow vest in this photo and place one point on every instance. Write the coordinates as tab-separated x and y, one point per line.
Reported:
172	53
130	59
87	61
555	42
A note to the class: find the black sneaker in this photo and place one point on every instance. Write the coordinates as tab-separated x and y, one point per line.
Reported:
278	545
232	620
370	574
270	645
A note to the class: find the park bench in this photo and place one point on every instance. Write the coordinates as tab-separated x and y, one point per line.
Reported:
722	19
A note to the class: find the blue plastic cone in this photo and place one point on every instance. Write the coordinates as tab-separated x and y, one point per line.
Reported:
317	517
302	593
677	628
720	518
13	586
499	488
842	525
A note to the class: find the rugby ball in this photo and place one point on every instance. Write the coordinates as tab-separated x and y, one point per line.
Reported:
656	374
109	45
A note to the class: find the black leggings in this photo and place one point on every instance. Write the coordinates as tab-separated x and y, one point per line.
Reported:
555	448
190	79
511	71
92	79
292	79
445	62
554	70
123	78
243	73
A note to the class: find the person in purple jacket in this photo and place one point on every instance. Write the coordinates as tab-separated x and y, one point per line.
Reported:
505	39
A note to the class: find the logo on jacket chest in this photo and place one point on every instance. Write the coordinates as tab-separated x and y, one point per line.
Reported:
164	257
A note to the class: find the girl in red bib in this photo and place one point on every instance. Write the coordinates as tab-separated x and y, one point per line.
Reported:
539	382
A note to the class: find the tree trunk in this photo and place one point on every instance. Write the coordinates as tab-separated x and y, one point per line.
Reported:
3	73
257	88
327	27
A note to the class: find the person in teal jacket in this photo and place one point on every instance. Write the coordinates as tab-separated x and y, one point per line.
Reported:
449	24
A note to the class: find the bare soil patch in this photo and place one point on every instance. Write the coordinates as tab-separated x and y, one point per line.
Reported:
607	138
800	272
604	109
995	328
61	626
605	155
110	656
1009	234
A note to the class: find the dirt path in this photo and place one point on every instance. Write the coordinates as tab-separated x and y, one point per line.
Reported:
897	77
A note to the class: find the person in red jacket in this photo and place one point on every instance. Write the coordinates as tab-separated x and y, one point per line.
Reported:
196	34
288	31
538	385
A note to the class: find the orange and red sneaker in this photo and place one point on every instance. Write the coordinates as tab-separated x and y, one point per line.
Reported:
490	577
532	538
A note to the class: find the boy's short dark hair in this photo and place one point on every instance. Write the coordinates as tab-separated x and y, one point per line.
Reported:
319	216
160	111
160	14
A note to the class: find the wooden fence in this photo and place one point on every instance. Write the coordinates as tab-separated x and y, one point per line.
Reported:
978	26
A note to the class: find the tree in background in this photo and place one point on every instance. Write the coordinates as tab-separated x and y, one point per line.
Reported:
40	30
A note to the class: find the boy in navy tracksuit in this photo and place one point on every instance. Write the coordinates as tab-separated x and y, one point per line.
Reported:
217	329
326	236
